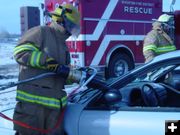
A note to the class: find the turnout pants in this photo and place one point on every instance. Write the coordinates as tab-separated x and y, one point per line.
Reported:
36	116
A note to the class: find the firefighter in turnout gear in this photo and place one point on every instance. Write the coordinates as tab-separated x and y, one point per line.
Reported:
42	49
158	40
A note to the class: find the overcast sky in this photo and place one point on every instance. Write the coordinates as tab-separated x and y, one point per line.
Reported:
10	13
10	10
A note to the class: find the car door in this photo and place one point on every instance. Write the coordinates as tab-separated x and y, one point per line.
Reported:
126	120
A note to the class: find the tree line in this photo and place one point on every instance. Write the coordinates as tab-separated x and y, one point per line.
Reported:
6	34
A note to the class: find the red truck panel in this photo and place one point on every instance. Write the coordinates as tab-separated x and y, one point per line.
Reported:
108	23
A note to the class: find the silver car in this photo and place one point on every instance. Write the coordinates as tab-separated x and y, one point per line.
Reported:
138	103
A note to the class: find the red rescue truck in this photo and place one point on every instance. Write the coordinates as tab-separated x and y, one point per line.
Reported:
112	32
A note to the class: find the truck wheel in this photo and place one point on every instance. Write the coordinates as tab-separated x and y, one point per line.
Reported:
119	64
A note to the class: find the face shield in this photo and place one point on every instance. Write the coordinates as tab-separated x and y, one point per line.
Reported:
71	27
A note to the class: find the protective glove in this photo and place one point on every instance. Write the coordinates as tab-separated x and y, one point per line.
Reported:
51	64
63	71
67	72
72	74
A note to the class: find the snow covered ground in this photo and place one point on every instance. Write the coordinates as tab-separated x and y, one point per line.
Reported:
8	73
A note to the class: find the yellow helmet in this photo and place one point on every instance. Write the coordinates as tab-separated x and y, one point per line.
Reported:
69	17
68	11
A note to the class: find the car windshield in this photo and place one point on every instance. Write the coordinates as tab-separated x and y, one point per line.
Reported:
147	72
154	74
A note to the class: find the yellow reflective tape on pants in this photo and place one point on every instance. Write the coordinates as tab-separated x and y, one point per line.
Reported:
37	102
51	102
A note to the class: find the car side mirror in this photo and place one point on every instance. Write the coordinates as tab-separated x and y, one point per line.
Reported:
112	96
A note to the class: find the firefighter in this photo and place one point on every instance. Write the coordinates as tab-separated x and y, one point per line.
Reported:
42	49
158	40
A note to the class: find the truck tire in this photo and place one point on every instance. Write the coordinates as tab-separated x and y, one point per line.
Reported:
119	64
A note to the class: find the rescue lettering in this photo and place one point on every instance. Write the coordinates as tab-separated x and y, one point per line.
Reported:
137	10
